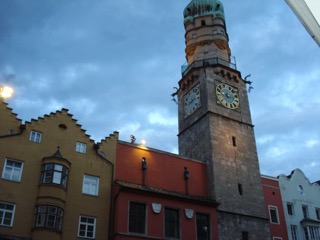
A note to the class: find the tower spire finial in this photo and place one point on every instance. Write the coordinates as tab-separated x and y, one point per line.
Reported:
198	8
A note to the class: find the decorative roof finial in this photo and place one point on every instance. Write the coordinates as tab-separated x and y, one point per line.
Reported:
197	8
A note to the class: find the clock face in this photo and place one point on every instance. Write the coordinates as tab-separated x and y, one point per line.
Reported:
192	100
228	96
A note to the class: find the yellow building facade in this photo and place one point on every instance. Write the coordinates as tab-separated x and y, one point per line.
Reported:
56	183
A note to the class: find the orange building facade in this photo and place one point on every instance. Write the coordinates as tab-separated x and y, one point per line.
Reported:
56	183
159	195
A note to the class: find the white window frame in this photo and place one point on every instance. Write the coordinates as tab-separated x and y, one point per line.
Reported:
53	173
311	232
81	147
89	187
86	224
11	170
277	238
294	232
306	208
4	212
275	208
35	137
292	208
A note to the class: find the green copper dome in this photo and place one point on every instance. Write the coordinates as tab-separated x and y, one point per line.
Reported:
197	8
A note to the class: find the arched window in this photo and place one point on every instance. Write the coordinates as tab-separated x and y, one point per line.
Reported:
203	23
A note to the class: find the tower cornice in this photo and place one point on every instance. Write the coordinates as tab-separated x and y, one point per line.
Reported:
223	68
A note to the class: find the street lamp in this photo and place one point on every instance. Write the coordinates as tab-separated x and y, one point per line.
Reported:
5	92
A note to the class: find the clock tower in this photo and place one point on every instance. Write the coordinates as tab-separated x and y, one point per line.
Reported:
215	123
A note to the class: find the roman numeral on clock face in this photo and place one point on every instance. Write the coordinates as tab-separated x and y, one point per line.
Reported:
227	96
192	100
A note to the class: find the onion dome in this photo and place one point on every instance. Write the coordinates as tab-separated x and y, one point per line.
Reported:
197	8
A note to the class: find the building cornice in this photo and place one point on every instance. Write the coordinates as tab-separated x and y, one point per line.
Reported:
128	186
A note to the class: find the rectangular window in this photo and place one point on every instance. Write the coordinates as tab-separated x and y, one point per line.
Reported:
318	213
305	211
294	230
90	185
245	236
290	209
35	137
311	233
87	227
240	189
276	238
234	141
48	216
54	174
12	170
172	224
273	214
137	218
6	214
81	147
203	227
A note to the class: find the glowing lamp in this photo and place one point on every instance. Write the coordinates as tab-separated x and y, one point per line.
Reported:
143	142
5	92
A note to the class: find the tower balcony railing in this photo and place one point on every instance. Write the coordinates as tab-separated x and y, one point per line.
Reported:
207	62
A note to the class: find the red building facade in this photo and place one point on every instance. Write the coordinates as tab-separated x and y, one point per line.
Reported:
159	195
274	208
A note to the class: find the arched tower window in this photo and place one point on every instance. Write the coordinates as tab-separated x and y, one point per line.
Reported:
203	23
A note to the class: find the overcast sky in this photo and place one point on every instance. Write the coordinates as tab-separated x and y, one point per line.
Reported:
114	64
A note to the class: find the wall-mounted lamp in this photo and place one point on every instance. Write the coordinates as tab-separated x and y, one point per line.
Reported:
5	92
144	164
143	142
186	173
144	168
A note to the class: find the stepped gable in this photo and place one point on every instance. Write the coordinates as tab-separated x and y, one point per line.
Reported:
10	124
4	106
106	148
58	112
112	137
